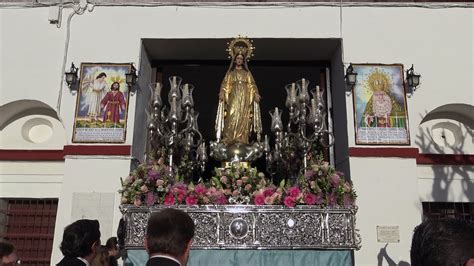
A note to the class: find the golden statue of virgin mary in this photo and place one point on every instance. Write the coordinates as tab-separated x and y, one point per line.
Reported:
238	114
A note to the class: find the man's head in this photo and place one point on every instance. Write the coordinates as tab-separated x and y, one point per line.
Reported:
7	254
170	232
81	239
443	242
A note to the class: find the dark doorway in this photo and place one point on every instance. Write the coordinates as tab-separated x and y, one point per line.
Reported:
270	77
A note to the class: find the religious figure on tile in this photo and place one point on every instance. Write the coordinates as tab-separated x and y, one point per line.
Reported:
382	110
238	112
95	93
113	103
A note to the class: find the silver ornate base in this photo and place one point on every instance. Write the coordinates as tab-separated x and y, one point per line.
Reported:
256	227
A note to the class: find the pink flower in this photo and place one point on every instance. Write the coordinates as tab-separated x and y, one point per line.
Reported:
205	200
159	182
223	179
310	198
259	199
239	183
221	200
319	199
294	191
269	200
200	189
150	198
153	175
289	201
245	179
191	200
235	193
228	191
348	201
335	180
169	199
268	192
144	188
332	199
180	196
248	187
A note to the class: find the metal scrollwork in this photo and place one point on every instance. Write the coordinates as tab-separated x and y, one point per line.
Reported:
256	227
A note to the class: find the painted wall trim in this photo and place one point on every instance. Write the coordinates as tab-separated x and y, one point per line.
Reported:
58	155
446	159
97	150
384	152
31	155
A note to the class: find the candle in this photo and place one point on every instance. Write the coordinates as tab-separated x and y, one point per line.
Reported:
267	144
185	90
293	92
318	94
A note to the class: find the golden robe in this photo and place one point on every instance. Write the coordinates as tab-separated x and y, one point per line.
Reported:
239	90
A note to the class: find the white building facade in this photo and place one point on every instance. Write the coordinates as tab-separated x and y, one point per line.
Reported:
38	159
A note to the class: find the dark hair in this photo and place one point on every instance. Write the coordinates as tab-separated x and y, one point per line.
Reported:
101	75
169	231
442	242
79	237
111	243
5	249
112	86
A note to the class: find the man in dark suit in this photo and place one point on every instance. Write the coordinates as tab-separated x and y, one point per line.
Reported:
8	254
168	238
80	243
443	242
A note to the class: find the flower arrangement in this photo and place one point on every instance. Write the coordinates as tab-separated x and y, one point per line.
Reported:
320	184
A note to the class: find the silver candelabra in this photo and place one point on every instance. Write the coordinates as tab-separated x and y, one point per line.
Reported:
173	128
306	131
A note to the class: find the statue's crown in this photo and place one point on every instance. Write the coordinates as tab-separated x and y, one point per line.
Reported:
240	45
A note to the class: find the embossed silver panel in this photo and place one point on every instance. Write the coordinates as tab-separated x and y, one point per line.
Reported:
256	227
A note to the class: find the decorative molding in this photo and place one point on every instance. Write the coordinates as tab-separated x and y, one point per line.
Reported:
256	227
120	150
445	159
31	155
421	158
383	152
58	155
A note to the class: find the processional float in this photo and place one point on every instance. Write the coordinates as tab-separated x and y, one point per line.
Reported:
312	207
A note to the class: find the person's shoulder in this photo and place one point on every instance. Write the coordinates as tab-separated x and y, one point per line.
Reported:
70	261
161	261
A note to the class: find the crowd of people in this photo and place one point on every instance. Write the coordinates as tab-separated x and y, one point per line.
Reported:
170	233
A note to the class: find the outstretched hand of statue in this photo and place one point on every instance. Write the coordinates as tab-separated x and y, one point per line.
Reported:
257	98
222	96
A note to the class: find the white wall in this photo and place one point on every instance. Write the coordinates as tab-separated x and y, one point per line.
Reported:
30	179
437	41
387	196
86	174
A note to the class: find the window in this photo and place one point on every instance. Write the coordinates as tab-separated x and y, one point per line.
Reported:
29	225
442	210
